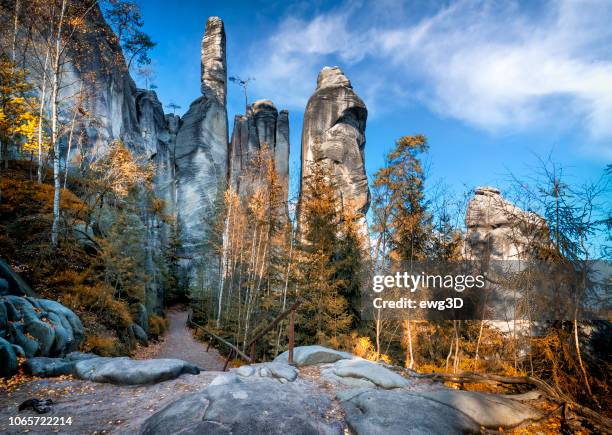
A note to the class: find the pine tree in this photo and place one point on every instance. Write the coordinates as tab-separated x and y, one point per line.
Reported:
403	178
348	258
323	315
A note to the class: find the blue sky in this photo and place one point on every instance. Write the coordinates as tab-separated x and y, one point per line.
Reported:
492	85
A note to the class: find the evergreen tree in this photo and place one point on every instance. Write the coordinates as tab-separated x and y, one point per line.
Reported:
323	315
348	259
403	178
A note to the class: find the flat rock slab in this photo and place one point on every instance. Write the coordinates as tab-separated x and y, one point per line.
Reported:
363	370
388	412
488	410
259	407
311	355
126	371
282	372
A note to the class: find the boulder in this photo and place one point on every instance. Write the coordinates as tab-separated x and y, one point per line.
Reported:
39	327
126	371
43	333
16	335
62	335
360	369
3	320
4	287
80	356
310	355
141	316
72	319
8	359
489	410
138	333
19	350
259	407
16	285
396	412
48	367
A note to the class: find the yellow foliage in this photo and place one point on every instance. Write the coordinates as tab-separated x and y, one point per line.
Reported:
157	325
102	345
363	347
16	110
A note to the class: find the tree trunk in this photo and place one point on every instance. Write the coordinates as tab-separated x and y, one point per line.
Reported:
41	112
55	128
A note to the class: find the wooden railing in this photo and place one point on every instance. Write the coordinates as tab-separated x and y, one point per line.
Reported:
252	345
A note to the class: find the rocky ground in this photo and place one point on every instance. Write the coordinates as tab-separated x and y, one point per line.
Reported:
329	392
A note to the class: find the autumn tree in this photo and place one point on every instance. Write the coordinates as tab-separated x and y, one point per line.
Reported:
323	315
18	123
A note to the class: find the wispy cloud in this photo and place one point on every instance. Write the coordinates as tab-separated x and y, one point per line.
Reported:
494	66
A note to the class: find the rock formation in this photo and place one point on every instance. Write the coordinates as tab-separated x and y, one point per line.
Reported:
39	327
278	398
262	125
334	133
497	229
201	147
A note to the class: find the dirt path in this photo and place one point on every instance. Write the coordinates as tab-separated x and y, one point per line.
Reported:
179	343
103	408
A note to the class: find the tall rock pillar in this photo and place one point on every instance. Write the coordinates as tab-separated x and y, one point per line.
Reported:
334	133
201	156
262	125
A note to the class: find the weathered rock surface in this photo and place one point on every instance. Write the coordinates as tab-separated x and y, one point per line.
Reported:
258	407
281	372
138	334
496	228
8	359
40	327
12	283
310	355
126	371
275	370
373	412
334	134
45	367
354	372
488	410
201	149
262	124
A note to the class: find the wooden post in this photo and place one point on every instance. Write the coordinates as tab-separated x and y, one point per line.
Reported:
291	336
228	359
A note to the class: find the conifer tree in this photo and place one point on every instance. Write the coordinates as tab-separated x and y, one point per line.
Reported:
323	315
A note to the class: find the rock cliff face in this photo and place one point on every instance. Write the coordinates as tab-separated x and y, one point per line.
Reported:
97	70
262	125
200	153
334	133
497	229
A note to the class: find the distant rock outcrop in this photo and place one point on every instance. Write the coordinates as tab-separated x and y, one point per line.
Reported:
201	146
334	133
262	125
499	230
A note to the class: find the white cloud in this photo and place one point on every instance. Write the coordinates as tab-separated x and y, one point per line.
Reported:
492	65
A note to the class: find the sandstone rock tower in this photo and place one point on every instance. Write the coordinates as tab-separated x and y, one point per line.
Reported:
334	132
262	124
201	146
